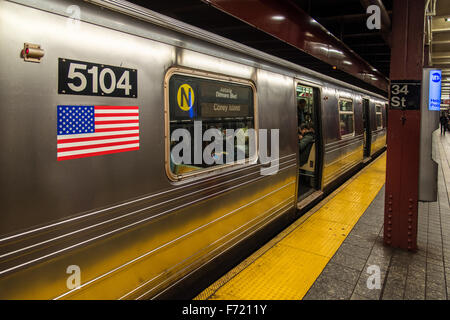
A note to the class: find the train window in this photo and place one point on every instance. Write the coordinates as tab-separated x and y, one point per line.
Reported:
197	102
379	115
346	117
305	105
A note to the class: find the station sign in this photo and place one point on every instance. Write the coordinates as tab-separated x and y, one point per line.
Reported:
405	94
434	94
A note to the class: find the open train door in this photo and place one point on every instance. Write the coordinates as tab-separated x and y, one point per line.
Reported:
309	143
367	131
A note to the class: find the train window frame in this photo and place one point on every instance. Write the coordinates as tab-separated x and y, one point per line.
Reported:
379	113
217	169
352	134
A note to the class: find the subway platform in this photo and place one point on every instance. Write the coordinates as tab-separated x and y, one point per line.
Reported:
331	252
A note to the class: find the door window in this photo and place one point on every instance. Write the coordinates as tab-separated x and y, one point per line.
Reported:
346	118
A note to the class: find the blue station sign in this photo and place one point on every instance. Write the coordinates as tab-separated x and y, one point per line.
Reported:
434	96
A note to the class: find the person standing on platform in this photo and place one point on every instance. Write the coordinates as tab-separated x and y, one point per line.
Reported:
444	122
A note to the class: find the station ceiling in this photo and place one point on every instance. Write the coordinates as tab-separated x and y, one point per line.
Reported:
440	43
345	19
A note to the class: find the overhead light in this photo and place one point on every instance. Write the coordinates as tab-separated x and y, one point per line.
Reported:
278	18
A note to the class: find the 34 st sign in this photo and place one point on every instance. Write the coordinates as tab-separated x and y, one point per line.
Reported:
405	94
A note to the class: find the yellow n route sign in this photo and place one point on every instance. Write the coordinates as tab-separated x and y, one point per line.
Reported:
185	97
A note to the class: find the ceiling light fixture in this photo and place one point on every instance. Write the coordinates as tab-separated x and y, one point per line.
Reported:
279	18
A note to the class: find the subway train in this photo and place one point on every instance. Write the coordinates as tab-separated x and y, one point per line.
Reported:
93	205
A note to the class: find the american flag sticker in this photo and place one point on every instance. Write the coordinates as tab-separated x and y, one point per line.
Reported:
87	131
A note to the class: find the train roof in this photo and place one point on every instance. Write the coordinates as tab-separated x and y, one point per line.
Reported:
168	23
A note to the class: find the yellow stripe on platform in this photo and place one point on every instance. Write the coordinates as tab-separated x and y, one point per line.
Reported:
287	266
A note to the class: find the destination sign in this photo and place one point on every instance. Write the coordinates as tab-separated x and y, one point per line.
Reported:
214	110
196	98
223	91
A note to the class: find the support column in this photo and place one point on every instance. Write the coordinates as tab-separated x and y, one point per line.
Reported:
403	140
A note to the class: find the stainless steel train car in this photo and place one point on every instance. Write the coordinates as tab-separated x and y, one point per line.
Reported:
92	204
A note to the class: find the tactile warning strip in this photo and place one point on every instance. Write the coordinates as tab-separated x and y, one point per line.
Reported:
287	266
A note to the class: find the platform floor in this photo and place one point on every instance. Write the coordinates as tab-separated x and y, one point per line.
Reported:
404	275
326	253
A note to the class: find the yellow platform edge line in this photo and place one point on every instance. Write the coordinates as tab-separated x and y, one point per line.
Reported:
314	268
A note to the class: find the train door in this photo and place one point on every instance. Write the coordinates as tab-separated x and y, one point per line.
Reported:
386	107
309	140
367	132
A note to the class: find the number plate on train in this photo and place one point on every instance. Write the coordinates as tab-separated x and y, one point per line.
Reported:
93	79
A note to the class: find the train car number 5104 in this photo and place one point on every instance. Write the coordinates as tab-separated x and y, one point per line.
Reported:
92	79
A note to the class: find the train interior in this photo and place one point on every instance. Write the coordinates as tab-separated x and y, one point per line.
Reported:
308	140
